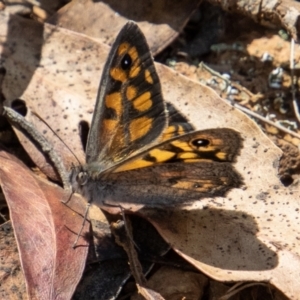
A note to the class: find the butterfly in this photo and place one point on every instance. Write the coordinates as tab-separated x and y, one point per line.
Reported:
135	152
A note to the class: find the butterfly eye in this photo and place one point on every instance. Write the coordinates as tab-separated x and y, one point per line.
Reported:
126	62
82	178
200	143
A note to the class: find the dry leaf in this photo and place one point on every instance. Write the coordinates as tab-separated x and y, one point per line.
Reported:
160	20
149	294
45	230
173	284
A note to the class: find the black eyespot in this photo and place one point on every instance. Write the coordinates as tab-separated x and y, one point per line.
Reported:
126	62
200	143
82	178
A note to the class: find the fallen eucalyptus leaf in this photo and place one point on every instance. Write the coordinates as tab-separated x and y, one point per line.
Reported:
45	230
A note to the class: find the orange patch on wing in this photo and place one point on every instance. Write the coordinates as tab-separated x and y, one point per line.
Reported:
123	48
133	54
148	77
169	133
135	70
139	127
114	101
182	145
184	184
136	164
136	62
110	125
199	185
143	102
206	185
221	155
196	160
173	131
181	130
187	155
131	92
162	155
170	130
118	74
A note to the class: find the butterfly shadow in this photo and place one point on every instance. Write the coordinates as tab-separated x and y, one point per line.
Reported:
220	238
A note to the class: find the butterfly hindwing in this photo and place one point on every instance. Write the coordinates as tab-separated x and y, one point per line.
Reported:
211	145
164	185
190	167
130	112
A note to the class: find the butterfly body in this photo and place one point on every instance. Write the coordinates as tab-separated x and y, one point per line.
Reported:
135	153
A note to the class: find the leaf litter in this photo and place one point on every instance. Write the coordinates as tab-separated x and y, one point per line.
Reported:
250	235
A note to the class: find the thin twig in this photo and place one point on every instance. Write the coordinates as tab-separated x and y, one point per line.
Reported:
231	292
263	119
207	68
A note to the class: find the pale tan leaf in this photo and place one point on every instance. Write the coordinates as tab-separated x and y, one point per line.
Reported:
160	20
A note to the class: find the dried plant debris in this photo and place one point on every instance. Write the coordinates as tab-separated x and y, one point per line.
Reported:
251	235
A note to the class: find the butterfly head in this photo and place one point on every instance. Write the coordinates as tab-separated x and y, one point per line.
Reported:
82	178
79	177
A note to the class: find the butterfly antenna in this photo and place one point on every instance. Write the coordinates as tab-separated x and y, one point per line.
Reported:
82	225
43	121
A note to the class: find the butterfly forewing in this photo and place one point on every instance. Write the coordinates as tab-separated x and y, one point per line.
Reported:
130	113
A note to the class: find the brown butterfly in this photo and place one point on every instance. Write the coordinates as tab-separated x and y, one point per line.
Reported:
133	155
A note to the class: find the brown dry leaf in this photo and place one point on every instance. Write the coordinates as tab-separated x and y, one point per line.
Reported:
45	230
160	20
252	234
173	283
